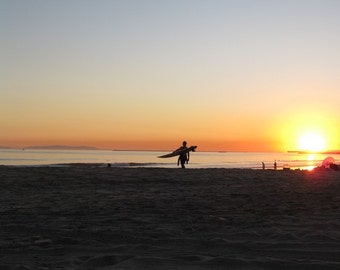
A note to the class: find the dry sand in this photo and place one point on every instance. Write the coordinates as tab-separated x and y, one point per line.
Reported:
91	217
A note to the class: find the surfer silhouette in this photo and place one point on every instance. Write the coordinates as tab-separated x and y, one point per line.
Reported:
184	156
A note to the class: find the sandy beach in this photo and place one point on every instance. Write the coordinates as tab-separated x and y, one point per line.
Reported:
93	217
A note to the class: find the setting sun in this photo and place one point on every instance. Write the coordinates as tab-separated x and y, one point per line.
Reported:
311	141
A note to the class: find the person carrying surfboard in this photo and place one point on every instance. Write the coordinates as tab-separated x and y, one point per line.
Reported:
184	156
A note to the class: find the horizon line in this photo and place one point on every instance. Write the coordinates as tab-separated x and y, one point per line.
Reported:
85	147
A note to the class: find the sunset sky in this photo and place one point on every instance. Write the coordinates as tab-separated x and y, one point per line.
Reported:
148	74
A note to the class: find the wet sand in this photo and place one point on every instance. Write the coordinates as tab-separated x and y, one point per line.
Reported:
92	217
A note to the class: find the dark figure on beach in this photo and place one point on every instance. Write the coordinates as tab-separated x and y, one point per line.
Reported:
275	165
334	167
183	157
263	166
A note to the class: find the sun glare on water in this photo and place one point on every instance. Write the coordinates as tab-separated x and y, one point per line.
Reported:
312	141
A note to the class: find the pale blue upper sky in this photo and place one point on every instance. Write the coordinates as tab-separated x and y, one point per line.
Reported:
193	64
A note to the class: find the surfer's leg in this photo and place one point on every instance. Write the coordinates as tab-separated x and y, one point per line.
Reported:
182	162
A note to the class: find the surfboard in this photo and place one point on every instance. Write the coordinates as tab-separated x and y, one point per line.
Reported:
178	152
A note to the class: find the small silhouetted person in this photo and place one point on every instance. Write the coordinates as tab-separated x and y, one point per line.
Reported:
275	165
263	166
184	156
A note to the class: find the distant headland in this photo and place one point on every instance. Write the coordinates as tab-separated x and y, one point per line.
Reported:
61	147
54	147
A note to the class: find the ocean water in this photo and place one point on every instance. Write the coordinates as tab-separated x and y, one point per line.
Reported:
198	159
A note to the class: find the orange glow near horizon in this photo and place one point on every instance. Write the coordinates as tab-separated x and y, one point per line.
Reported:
311	141
310	132
130	144
302	132
302	144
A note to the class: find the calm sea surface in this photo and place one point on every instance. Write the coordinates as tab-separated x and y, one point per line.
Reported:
150	159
